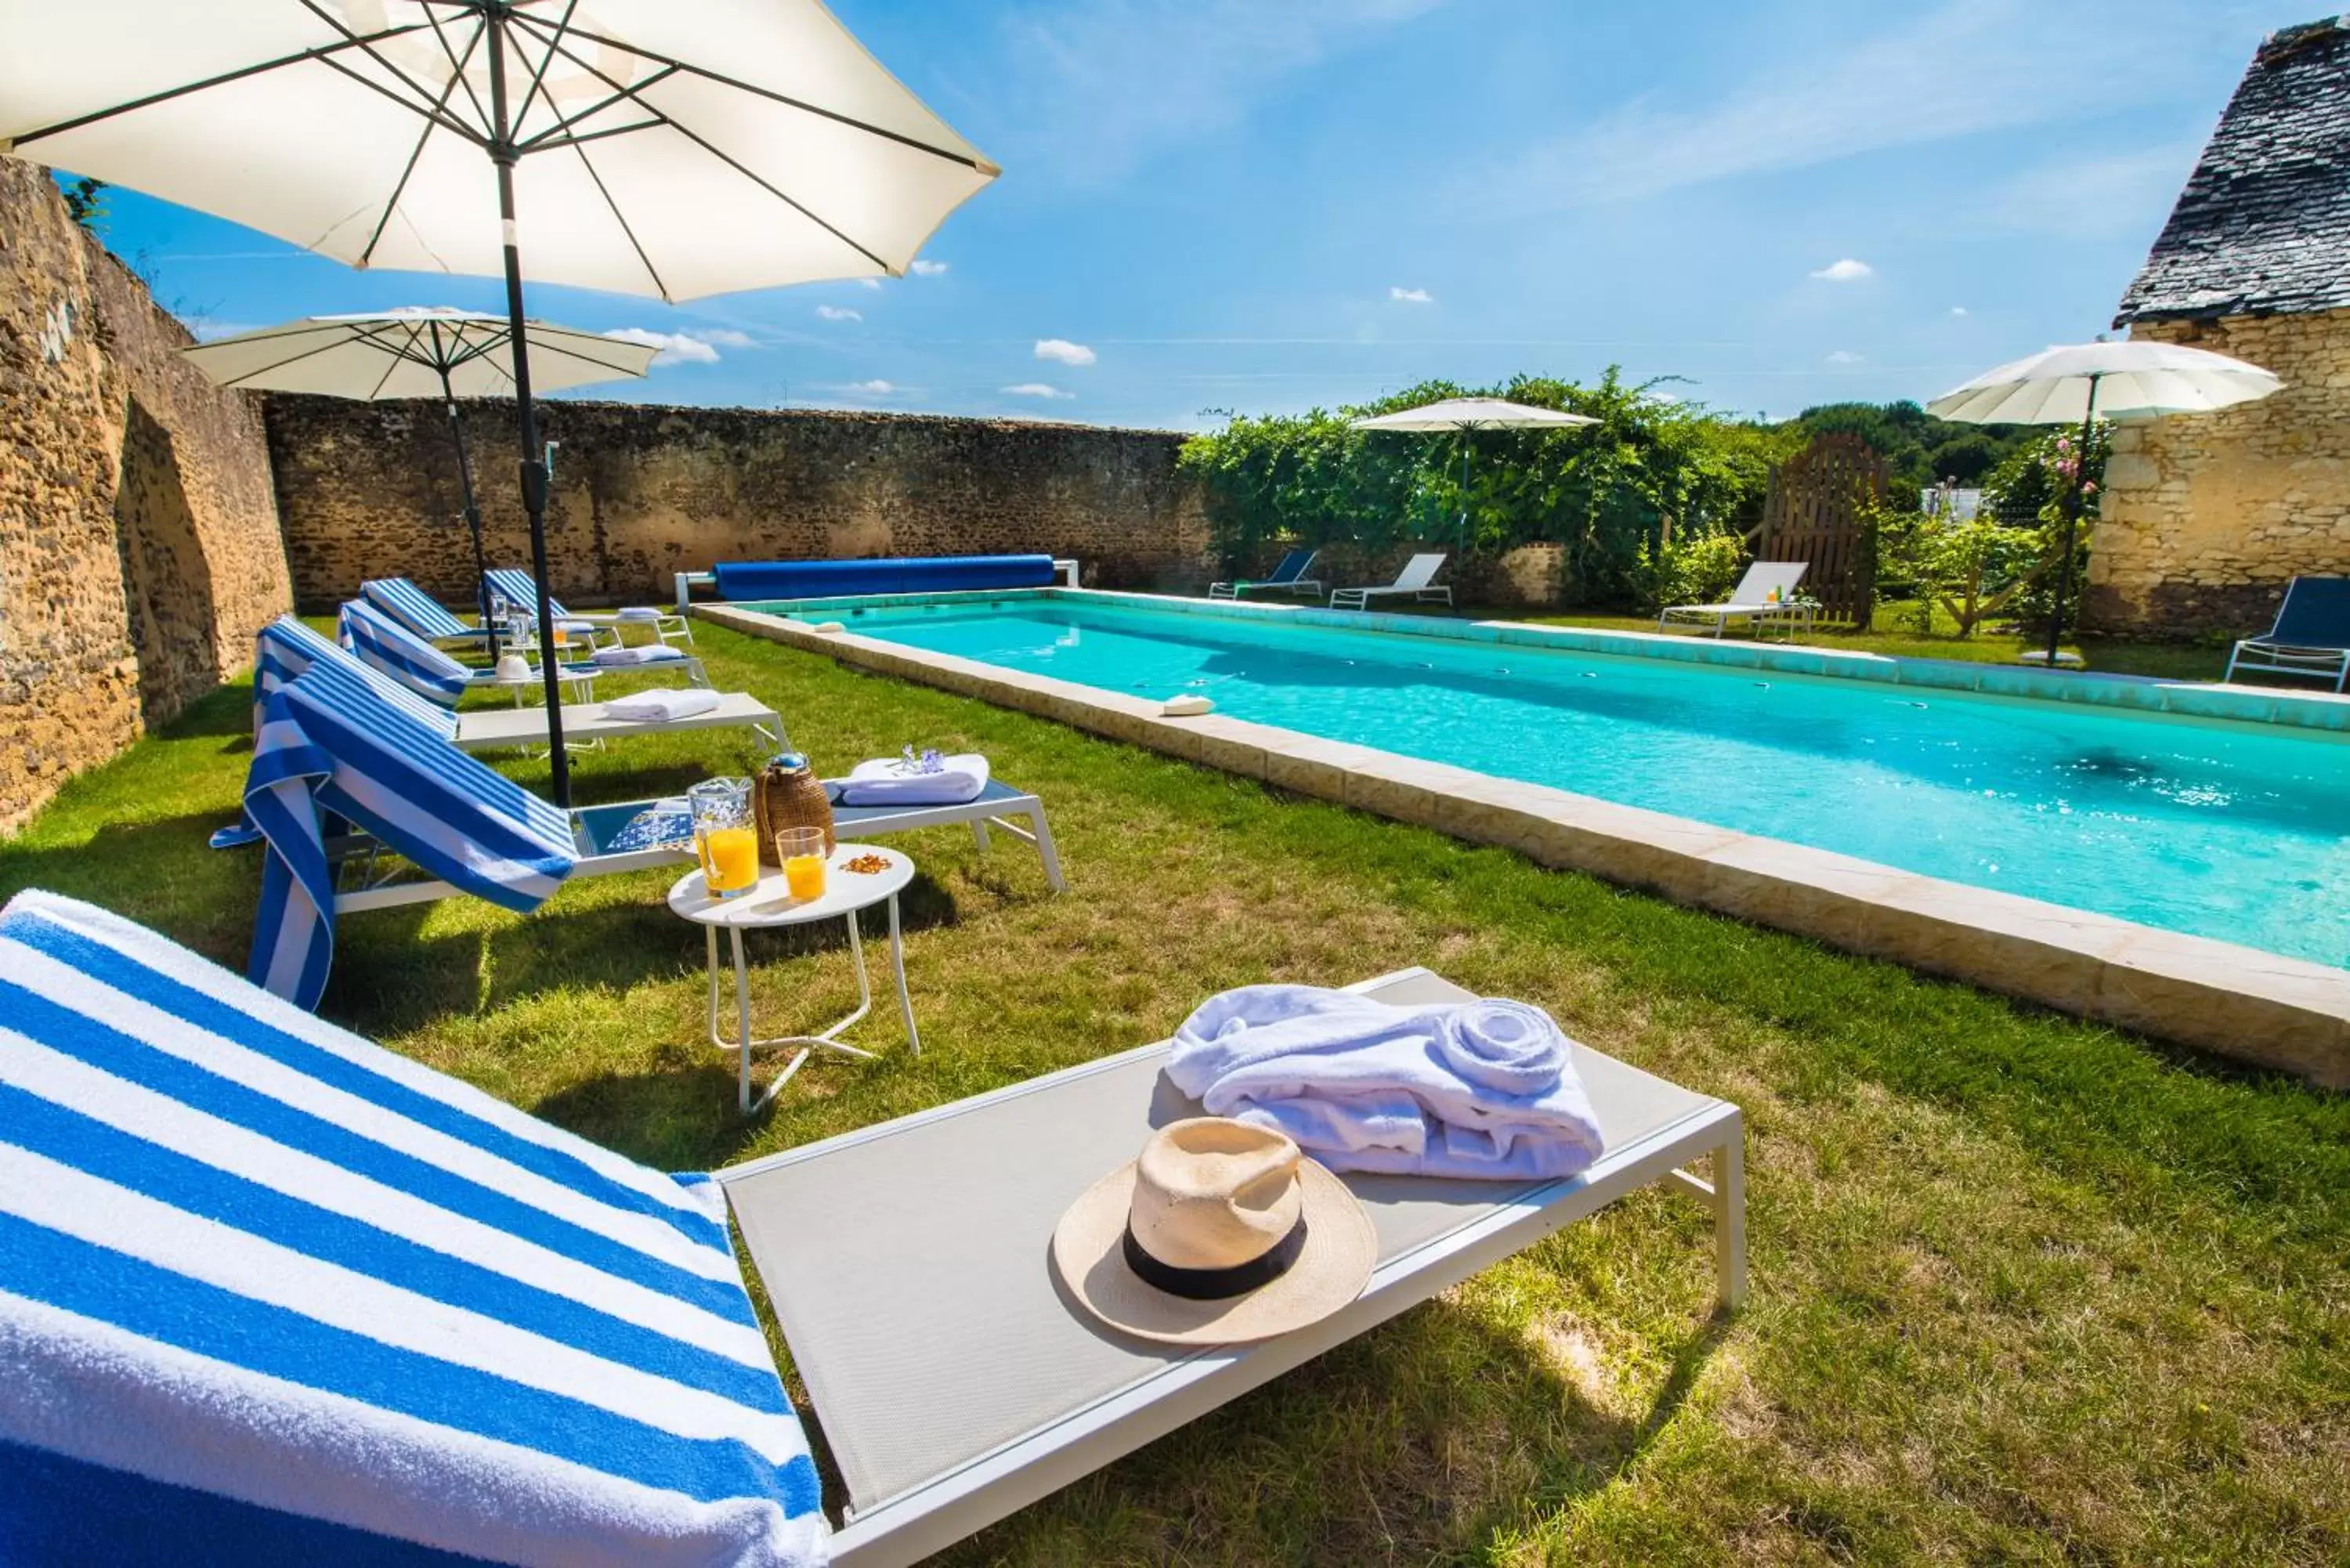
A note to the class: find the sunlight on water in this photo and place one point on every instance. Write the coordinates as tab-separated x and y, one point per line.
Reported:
2226	831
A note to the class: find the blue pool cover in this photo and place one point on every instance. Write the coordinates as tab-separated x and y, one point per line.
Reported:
901	575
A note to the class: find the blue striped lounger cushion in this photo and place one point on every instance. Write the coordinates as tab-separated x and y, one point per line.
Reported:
272	1293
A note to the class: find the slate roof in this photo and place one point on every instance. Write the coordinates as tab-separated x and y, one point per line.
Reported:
2263	226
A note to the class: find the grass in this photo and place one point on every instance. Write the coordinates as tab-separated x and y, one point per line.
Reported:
2025	1289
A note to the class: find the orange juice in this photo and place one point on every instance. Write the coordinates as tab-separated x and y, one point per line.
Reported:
805	876
730	859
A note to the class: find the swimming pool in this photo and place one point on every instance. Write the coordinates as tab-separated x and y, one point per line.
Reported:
2219	829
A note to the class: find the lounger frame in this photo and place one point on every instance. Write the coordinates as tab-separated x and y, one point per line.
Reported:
912	1526
1300	586
376	882
2285	659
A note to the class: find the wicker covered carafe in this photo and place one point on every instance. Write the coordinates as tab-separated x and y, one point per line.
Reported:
787	794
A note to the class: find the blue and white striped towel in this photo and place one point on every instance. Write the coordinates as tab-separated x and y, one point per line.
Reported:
417	610
270	1293
400	655
329	743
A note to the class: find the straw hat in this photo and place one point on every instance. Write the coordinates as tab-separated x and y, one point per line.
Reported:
1218	1233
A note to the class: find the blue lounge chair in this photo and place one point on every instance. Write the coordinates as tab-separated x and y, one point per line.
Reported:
420	612
399	655
1289	577
513	586
2311	636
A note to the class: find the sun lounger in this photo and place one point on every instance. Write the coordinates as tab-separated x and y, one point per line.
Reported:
511	585
2311	636
365	803
1289	576
420	612
1416	582
408	669
298	1378
1763	597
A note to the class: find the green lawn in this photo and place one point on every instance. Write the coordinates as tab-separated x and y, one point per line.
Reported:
2024	1289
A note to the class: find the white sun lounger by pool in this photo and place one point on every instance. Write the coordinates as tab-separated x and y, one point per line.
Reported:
486	728
371	1310
1763	599
953	1384
1416	582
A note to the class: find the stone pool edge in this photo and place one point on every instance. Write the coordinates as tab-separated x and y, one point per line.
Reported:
2262	1008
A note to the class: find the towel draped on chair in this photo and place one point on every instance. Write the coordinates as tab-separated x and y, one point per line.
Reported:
276	1295
1478	1089
889	780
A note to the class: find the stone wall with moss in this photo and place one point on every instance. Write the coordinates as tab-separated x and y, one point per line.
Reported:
138	546
643	491
2208	516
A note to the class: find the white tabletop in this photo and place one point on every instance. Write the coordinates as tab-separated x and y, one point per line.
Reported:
769	901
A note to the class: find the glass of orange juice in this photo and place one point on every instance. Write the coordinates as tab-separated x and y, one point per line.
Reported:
801	851
723	837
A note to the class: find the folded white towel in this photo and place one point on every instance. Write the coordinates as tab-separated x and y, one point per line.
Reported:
654	707
1481	1088
636	612
888	780
651	653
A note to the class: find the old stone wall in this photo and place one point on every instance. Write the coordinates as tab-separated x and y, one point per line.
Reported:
139	547
2208	516
642	492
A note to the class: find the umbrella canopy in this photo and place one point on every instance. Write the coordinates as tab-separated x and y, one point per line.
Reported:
642	146
1472	414
2079	383
418	352
659	149
421	352
2130	380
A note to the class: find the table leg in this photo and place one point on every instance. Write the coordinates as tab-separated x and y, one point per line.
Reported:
742	1020
898	963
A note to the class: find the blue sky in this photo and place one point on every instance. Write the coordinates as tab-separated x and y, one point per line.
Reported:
1263	205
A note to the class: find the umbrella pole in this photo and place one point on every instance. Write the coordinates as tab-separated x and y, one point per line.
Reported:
2072	524
504	154
473	515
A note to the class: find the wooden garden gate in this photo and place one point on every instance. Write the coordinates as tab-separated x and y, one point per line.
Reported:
1815	513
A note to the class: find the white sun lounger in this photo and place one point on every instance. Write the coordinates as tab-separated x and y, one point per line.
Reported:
484	729
1751	601
375	1309
367	884
1416	582
953	1384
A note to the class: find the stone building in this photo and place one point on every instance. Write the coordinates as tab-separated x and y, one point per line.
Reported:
2207	517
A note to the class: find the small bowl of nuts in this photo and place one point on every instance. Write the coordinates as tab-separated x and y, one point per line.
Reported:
866	864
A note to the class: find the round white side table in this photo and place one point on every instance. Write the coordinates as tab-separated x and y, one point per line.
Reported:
769	905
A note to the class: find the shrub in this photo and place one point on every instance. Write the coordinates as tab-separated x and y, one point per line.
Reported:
1700	570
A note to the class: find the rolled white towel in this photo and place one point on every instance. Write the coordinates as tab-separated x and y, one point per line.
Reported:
649	653
888	781
656	707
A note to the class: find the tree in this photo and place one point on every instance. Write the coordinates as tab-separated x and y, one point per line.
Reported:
84	200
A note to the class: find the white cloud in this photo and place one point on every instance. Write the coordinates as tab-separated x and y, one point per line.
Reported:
871	283
1411	296
876	388
1958	310
1062	351
676	347
928	269
1846	271
1844	357
1144	76
1036	390
838	313
1960	68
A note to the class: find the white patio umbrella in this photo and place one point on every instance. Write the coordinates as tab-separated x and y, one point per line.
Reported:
2121	381
644	146
1469	415
419	352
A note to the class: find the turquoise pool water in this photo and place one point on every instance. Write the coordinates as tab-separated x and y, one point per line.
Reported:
2234	831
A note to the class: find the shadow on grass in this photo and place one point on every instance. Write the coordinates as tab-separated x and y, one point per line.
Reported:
1434	1437
679	1118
